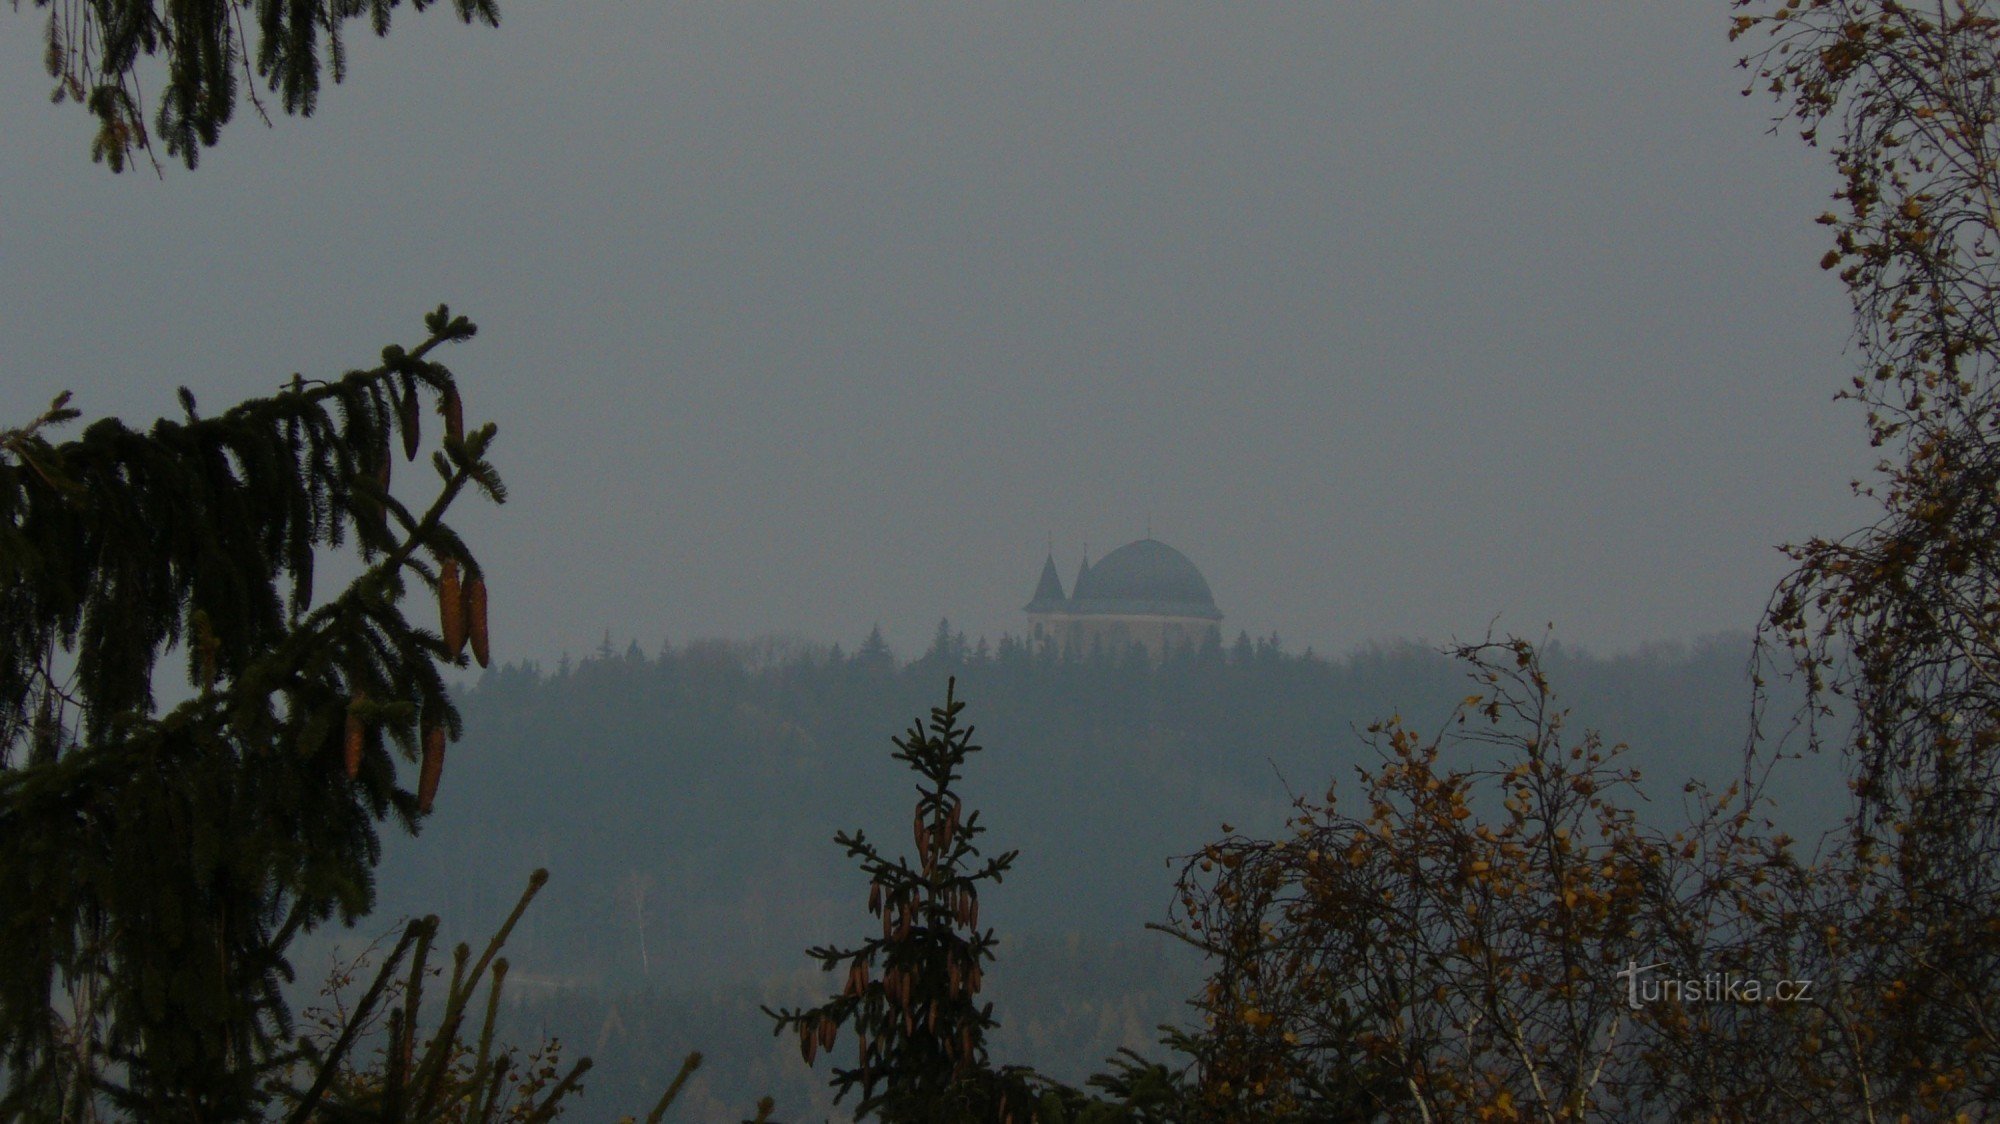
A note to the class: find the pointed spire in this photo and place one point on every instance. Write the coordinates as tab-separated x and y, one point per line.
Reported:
1049	597
1082	572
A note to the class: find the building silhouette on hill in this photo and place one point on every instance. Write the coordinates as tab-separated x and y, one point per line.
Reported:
1144	593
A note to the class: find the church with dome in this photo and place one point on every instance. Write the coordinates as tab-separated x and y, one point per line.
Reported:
1144	593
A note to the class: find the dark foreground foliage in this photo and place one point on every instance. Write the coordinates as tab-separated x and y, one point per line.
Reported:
212	49
156	865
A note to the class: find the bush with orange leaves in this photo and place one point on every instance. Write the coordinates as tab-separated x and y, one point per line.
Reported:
1898	623
1457	944
1450	967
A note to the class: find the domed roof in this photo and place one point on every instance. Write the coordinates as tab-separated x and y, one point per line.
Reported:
1147	576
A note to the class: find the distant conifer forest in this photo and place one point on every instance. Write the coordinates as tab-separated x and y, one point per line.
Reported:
685	802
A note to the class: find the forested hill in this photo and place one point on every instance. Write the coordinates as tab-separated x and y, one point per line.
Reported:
686	802
689	799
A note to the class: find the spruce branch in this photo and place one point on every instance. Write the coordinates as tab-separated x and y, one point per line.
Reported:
119	545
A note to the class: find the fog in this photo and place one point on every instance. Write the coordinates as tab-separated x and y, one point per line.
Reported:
1395	319
1403	322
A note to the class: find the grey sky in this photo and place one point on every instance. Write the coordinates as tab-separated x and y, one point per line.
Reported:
1393	318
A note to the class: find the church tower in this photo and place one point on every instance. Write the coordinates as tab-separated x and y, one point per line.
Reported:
1145	593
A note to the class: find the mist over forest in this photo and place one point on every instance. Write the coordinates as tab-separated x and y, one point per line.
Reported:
687	798
796	324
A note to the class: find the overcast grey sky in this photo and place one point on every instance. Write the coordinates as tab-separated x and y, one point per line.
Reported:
1394	318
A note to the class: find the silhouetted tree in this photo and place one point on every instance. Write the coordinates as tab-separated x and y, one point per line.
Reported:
874	653
154	866
1898	624
1446	945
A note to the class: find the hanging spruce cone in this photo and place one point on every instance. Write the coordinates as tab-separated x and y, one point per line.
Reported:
451	608
356	735
433	768
454	414
475	617
406	409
